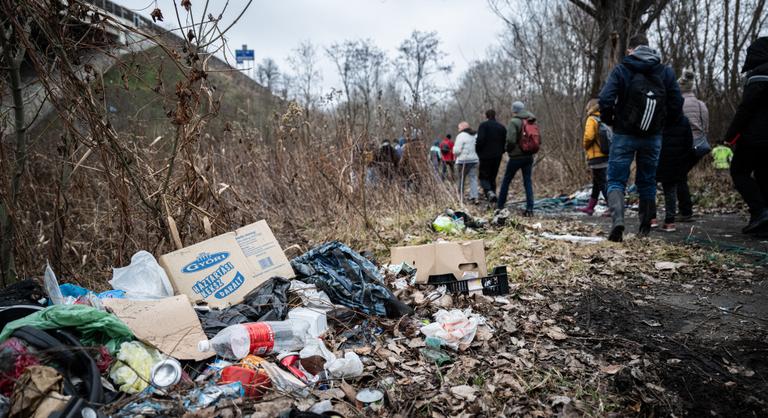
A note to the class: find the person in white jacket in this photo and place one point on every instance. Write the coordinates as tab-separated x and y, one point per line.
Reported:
466	160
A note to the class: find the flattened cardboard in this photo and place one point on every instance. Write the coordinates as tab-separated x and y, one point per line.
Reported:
222	270
170	324
443	258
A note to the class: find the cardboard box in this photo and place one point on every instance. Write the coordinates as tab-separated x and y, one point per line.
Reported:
222	270
170	324
443	258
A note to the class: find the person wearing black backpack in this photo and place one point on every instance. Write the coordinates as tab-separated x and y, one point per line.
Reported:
640	95
748	134
520	154
596	143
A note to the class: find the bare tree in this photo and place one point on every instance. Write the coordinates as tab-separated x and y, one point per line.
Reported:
268	74
12	53
360	65
306	73
419	58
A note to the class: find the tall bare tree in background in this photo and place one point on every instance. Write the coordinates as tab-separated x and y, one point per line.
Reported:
419	59
306	74
268	74
360	65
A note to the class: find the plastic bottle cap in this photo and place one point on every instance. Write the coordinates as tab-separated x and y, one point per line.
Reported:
204	346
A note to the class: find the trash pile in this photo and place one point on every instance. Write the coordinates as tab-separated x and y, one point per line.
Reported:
230	326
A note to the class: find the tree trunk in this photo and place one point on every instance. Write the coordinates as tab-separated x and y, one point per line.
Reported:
9	207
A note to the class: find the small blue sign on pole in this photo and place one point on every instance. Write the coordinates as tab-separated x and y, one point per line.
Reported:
245	54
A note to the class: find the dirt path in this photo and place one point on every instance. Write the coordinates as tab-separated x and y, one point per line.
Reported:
718	231
703	338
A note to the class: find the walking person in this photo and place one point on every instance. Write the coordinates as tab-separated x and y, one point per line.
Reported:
519	159
748	133
595	141
449	159
676	153
435	157
466	161
698	115
491	141
638	97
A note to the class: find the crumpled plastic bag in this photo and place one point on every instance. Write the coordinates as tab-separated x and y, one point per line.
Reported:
142	279
94	327
456	328
311	297
133	368
348	366
348	279
268	302
448	225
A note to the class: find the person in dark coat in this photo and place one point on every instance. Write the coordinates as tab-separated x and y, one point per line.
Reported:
490	146
676	152
637	127
748	134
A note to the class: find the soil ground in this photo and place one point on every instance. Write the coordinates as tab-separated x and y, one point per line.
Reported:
704	339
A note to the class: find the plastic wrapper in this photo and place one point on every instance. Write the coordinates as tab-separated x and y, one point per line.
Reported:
348	366
94	327
142	279
456	328
285	381
448	225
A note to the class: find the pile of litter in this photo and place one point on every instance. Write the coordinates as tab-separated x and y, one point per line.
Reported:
230	324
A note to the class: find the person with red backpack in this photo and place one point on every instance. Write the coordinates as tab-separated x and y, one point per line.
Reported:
449	159
523	140
640	96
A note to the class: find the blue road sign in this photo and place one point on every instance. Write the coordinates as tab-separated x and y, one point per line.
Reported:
242	55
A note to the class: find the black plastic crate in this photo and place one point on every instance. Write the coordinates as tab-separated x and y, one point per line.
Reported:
495	284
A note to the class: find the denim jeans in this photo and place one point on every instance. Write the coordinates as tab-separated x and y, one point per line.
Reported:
514	164
625	149
467	170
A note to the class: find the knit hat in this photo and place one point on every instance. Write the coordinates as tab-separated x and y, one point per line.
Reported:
518	107
686	81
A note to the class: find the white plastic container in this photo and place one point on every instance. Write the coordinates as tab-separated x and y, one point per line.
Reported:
318	322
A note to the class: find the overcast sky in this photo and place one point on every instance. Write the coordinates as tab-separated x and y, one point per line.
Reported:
272	28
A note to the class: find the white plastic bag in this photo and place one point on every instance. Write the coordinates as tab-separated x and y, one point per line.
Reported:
142	279
456	328
349	366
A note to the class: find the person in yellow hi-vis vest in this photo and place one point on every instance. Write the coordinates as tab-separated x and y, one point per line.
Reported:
721	157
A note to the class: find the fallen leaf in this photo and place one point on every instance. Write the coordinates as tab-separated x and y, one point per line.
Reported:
668	265
465	392
611	369
555	333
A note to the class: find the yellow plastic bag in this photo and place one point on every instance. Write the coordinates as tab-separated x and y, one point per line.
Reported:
133	367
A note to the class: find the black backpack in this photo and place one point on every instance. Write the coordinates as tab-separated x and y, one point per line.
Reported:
644	107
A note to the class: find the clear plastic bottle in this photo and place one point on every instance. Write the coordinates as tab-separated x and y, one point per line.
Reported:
259	338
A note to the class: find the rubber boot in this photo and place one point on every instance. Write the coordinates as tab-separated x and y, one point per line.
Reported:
645	215
616	204
590	208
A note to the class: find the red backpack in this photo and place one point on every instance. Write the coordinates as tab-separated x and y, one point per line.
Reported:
530	138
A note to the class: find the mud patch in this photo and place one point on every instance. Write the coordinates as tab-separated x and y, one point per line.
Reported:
677	358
